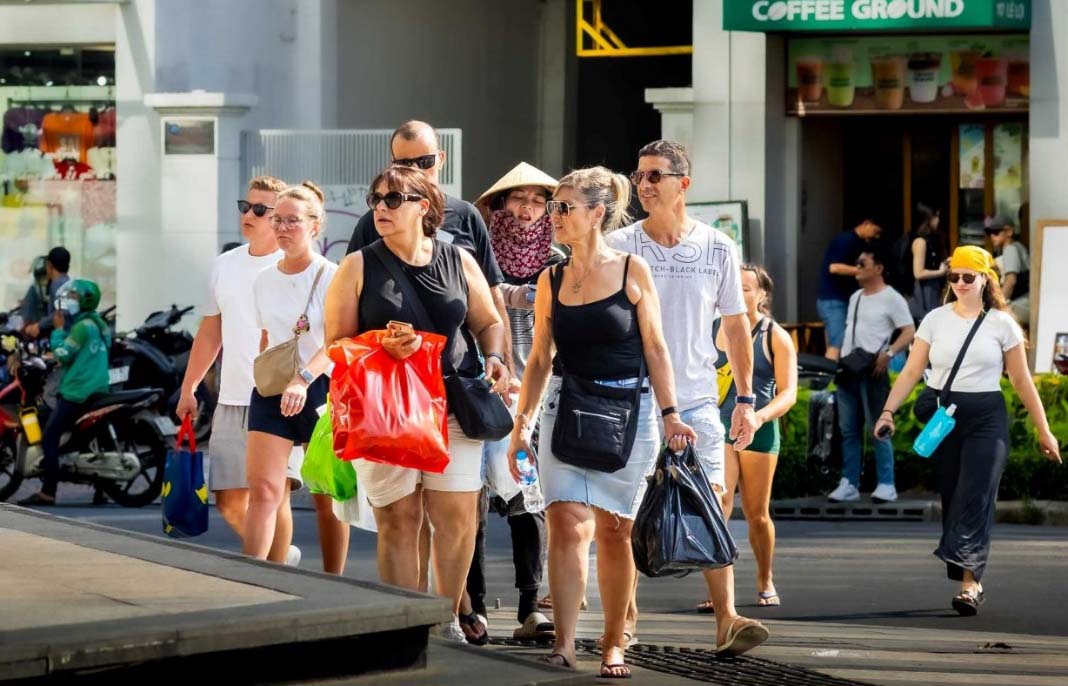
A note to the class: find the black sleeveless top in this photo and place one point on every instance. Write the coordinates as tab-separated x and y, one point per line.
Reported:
599	340
442	289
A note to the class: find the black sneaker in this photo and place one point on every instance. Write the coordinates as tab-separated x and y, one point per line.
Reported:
37	500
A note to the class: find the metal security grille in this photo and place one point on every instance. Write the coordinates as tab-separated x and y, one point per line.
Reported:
339	157
703	666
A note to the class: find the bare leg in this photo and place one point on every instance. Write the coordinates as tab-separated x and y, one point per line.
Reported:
333	535
398	535
424	554
266	467
232	504
732	472
758	471
571	530
454	517
283	529
616	576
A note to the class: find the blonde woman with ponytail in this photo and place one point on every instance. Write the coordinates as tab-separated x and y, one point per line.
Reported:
278	423
606	318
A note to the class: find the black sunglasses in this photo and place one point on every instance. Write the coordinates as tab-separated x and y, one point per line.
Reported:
423	161
559	207
259	209
393	199
955	277
654	176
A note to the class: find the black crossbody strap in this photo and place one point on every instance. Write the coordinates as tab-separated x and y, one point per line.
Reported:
856	311
944	395
422	317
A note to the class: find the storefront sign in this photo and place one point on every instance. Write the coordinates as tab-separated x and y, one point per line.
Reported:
908	74
874	15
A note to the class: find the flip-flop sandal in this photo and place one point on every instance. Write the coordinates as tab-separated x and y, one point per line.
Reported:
629	640
470	625
741	640
967	603
705	607
546	603
768	599
607	671
536	627
551	658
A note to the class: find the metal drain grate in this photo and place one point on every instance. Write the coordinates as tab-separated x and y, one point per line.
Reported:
701	664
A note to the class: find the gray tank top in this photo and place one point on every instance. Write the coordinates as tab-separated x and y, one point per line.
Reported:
763	369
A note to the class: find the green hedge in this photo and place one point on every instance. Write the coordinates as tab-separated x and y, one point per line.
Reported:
1028	473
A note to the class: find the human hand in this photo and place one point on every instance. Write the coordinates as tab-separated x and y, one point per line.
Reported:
1047	442
882	363
402	344
519	443
678	433
58	321
294	397
885	424
187	405
499	374
744	425
33	330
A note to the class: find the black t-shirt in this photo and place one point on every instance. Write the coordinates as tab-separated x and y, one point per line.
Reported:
844	249
462	226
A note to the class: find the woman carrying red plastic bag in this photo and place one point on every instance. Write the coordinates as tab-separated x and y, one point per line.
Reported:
369	294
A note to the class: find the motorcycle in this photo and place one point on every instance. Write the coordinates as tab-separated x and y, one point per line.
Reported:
155	355
118	445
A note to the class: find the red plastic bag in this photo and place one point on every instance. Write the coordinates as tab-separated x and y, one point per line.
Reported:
388	410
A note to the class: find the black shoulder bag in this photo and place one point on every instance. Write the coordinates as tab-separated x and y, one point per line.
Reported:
479	411
928	402
859	361
595	424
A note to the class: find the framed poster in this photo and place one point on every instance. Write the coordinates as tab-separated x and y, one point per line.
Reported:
188	135
729	216
1049	293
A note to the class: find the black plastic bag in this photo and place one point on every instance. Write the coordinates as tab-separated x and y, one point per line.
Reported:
679	527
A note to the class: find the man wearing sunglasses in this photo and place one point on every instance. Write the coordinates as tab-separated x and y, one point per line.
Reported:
416	145
875	312
696	272
230	322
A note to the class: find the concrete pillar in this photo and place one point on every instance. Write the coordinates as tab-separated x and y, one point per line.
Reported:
675	106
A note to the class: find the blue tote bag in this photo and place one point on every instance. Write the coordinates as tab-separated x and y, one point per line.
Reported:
185	493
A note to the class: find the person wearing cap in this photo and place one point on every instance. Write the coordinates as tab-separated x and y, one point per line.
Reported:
34	304
1014	263
972	456
521	234
57	264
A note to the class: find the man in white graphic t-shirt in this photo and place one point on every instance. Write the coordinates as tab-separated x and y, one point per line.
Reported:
229	324
696	272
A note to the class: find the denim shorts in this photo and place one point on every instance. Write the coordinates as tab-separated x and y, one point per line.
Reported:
704	419
619	493
833	314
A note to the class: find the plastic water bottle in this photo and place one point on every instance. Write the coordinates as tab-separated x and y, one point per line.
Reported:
533	501
935	432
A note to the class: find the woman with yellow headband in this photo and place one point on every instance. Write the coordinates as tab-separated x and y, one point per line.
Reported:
972	457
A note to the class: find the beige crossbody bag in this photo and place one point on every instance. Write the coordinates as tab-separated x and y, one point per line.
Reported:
275	367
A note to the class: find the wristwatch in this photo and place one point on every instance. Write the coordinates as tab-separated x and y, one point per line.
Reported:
307	376
745	400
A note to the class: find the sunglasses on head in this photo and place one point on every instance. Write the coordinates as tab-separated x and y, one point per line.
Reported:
654	176
259	209
423	161
955	277
393	199
559	207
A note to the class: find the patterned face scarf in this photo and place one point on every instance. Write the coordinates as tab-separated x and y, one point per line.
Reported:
521	252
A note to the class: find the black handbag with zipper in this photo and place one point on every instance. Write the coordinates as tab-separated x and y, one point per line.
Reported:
481	413
595	424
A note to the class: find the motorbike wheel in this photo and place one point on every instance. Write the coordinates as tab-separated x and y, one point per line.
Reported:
10	476
144	488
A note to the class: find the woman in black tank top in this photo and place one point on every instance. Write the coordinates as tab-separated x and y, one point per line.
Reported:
364	296
606	318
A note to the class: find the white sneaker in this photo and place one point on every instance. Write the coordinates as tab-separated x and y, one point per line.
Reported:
884	493
845	493
450	631
293	556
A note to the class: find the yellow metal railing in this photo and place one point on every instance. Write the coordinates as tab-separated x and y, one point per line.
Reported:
593	38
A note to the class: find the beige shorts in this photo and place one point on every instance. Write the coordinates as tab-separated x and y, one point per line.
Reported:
227	451
384	484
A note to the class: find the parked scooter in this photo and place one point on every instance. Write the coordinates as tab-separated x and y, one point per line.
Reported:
119	444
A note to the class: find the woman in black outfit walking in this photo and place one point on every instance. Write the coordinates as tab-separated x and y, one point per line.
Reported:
449	283
972	457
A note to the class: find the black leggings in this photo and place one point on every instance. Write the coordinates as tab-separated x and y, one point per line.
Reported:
970	462
61	420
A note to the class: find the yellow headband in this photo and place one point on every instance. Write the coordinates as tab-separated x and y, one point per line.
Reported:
976	259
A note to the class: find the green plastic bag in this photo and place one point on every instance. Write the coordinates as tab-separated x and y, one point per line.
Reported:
322	471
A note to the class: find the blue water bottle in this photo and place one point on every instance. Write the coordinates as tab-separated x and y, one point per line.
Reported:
533	500
527	474
935	432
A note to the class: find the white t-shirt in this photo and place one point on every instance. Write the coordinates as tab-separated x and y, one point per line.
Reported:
980	371
280	300
1014	259
696	279
880	315
230	295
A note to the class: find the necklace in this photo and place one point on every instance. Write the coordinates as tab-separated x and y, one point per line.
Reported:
576	286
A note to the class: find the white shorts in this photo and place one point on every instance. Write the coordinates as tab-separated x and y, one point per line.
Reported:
228	451
709	428
384	484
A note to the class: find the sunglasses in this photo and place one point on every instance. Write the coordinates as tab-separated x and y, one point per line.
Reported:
290	223
654	176
393	199
259	209
559	207
423	161
955	277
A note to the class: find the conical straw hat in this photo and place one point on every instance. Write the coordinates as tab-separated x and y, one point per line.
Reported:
522	174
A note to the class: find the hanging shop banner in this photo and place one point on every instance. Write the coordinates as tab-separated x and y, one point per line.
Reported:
908	74
875	15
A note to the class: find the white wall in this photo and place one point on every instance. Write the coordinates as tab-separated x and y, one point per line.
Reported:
57	24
